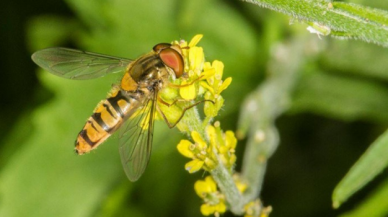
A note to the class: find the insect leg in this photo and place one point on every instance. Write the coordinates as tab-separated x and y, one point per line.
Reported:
185	85
170	104
171	125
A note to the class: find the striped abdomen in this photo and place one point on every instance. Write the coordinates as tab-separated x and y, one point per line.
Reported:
106	119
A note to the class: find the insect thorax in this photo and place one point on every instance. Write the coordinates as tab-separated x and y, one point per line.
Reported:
148	71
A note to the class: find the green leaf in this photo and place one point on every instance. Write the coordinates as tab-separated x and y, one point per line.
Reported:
341	97
371	163
375	205
345	20
356	58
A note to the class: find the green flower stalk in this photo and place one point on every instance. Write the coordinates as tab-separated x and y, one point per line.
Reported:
209	148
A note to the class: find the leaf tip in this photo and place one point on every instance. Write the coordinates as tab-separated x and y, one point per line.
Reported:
336	204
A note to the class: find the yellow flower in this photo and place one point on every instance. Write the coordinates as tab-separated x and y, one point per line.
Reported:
214	86
225	144
230	140
186	148
205	187
203	154
194	67
241	186
194	60
188	91
194	165
256	209
214	200
207	209
194	41
200	78
199	152
230	145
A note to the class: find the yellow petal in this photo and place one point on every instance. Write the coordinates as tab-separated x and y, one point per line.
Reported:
201	188
223	149
225	85
196	59
187	92
241	186
194	165
204	187
230	139
219	67
210	164
194	41
232	159
207	73
207	86
221	207
211	184
198	139
184	148
208	66
211	132
224	159
207	209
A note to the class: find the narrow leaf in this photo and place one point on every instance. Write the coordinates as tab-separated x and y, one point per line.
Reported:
375	205
371	163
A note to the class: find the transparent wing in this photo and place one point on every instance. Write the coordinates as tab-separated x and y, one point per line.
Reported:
76	64
135	138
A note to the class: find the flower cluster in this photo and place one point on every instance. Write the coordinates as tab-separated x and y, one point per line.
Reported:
208	74
209	147
204	154
224	144
214	86
200	153
205	79
201	81
214	201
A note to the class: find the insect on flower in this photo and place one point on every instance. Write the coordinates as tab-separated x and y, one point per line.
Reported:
130	106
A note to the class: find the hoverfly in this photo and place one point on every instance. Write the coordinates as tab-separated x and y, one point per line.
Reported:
130	106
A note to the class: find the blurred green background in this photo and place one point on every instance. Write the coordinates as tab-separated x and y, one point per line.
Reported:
339	107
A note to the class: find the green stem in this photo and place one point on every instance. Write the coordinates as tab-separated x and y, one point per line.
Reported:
220	174
191	121
263	106
228	187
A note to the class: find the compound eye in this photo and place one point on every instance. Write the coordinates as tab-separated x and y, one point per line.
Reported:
172	59
157	48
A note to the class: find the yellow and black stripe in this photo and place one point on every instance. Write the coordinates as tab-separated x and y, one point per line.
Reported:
106	118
